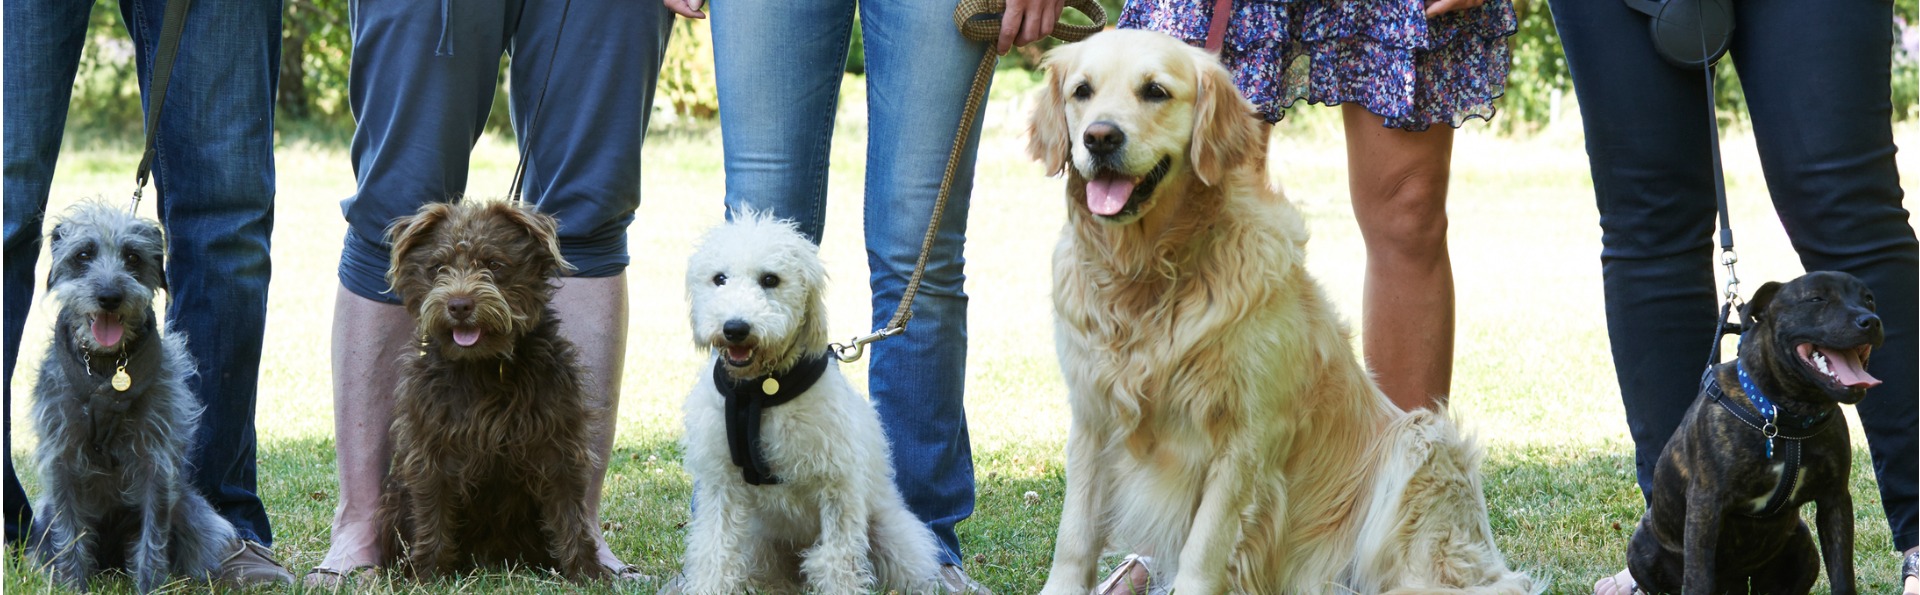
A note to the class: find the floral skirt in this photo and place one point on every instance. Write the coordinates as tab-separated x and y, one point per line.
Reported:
1384	55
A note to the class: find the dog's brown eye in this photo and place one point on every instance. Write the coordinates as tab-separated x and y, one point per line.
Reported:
495	265
1082	91
719	278
1155	92
131	258
769	281
1816	300
83	255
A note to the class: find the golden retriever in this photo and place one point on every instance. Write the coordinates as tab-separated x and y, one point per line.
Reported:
1221	422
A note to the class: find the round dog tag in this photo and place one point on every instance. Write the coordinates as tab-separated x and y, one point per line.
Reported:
770	387
121	381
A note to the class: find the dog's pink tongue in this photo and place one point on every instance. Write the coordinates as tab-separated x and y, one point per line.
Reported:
466	337
1847	367
1108	193
107	329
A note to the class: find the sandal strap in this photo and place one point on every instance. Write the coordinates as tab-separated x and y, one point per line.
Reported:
1910	566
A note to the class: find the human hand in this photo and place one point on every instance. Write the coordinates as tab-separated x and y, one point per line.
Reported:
686	8
1439	7
1026	21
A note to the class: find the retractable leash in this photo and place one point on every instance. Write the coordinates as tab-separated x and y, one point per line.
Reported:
170	27
1694	34
978	20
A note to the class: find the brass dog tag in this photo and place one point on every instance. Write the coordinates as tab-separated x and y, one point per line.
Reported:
121	381
770	387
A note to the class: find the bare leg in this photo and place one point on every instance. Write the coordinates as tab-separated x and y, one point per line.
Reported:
593	315
1399	184
368	339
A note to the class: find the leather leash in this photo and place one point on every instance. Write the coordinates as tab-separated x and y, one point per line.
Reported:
978	20
171	25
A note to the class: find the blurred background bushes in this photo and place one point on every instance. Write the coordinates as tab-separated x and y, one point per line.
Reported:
313	79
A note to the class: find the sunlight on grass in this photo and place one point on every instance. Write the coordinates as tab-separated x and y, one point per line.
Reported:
1534	378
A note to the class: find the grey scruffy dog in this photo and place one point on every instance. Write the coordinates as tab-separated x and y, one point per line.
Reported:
115	417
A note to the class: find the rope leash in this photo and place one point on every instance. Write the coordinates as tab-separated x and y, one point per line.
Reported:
977	20
171	26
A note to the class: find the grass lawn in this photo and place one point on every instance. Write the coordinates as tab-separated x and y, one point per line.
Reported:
1533	376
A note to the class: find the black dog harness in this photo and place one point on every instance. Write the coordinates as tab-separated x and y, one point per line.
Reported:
1778	427
746	400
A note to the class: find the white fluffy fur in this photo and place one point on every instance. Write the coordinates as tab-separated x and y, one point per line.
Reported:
835	521
1221	422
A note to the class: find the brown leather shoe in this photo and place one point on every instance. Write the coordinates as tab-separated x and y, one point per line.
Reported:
955	580
252	565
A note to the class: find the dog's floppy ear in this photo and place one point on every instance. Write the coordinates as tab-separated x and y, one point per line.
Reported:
1225	131
1757	305
407	233
544	229
153	233
1047	139
54	238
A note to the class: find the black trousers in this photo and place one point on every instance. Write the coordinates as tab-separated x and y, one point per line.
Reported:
1817	82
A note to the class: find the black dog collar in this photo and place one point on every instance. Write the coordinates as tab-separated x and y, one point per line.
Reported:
1788	436
746	400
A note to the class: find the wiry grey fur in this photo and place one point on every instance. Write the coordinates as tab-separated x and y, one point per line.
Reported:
114	463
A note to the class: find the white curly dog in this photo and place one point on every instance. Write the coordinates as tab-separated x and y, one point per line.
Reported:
793	483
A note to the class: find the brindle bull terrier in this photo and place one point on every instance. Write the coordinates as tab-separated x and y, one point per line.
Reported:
1764	438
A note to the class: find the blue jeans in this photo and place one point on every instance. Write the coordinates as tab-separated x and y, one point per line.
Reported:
1816	77
779	75
214	173
423	78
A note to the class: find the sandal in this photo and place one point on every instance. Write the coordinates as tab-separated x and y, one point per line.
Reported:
331	579
1131	577
1615	581
1910	569
627	573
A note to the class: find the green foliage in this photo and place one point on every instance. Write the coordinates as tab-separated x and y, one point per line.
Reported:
106	92
1537	83
686	74
316	45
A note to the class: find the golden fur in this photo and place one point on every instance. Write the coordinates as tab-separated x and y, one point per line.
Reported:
1221	421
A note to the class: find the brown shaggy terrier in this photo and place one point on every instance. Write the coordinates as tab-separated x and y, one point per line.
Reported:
491	417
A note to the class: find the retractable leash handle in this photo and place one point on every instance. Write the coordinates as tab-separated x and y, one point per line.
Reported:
171	26
978	20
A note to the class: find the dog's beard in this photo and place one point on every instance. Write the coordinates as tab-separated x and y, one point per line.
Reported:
758	355
99	330
489	330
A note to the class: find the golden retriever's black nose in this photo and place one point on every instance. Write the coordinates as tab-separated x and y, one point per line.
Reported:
1103	138
460	308
735	330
